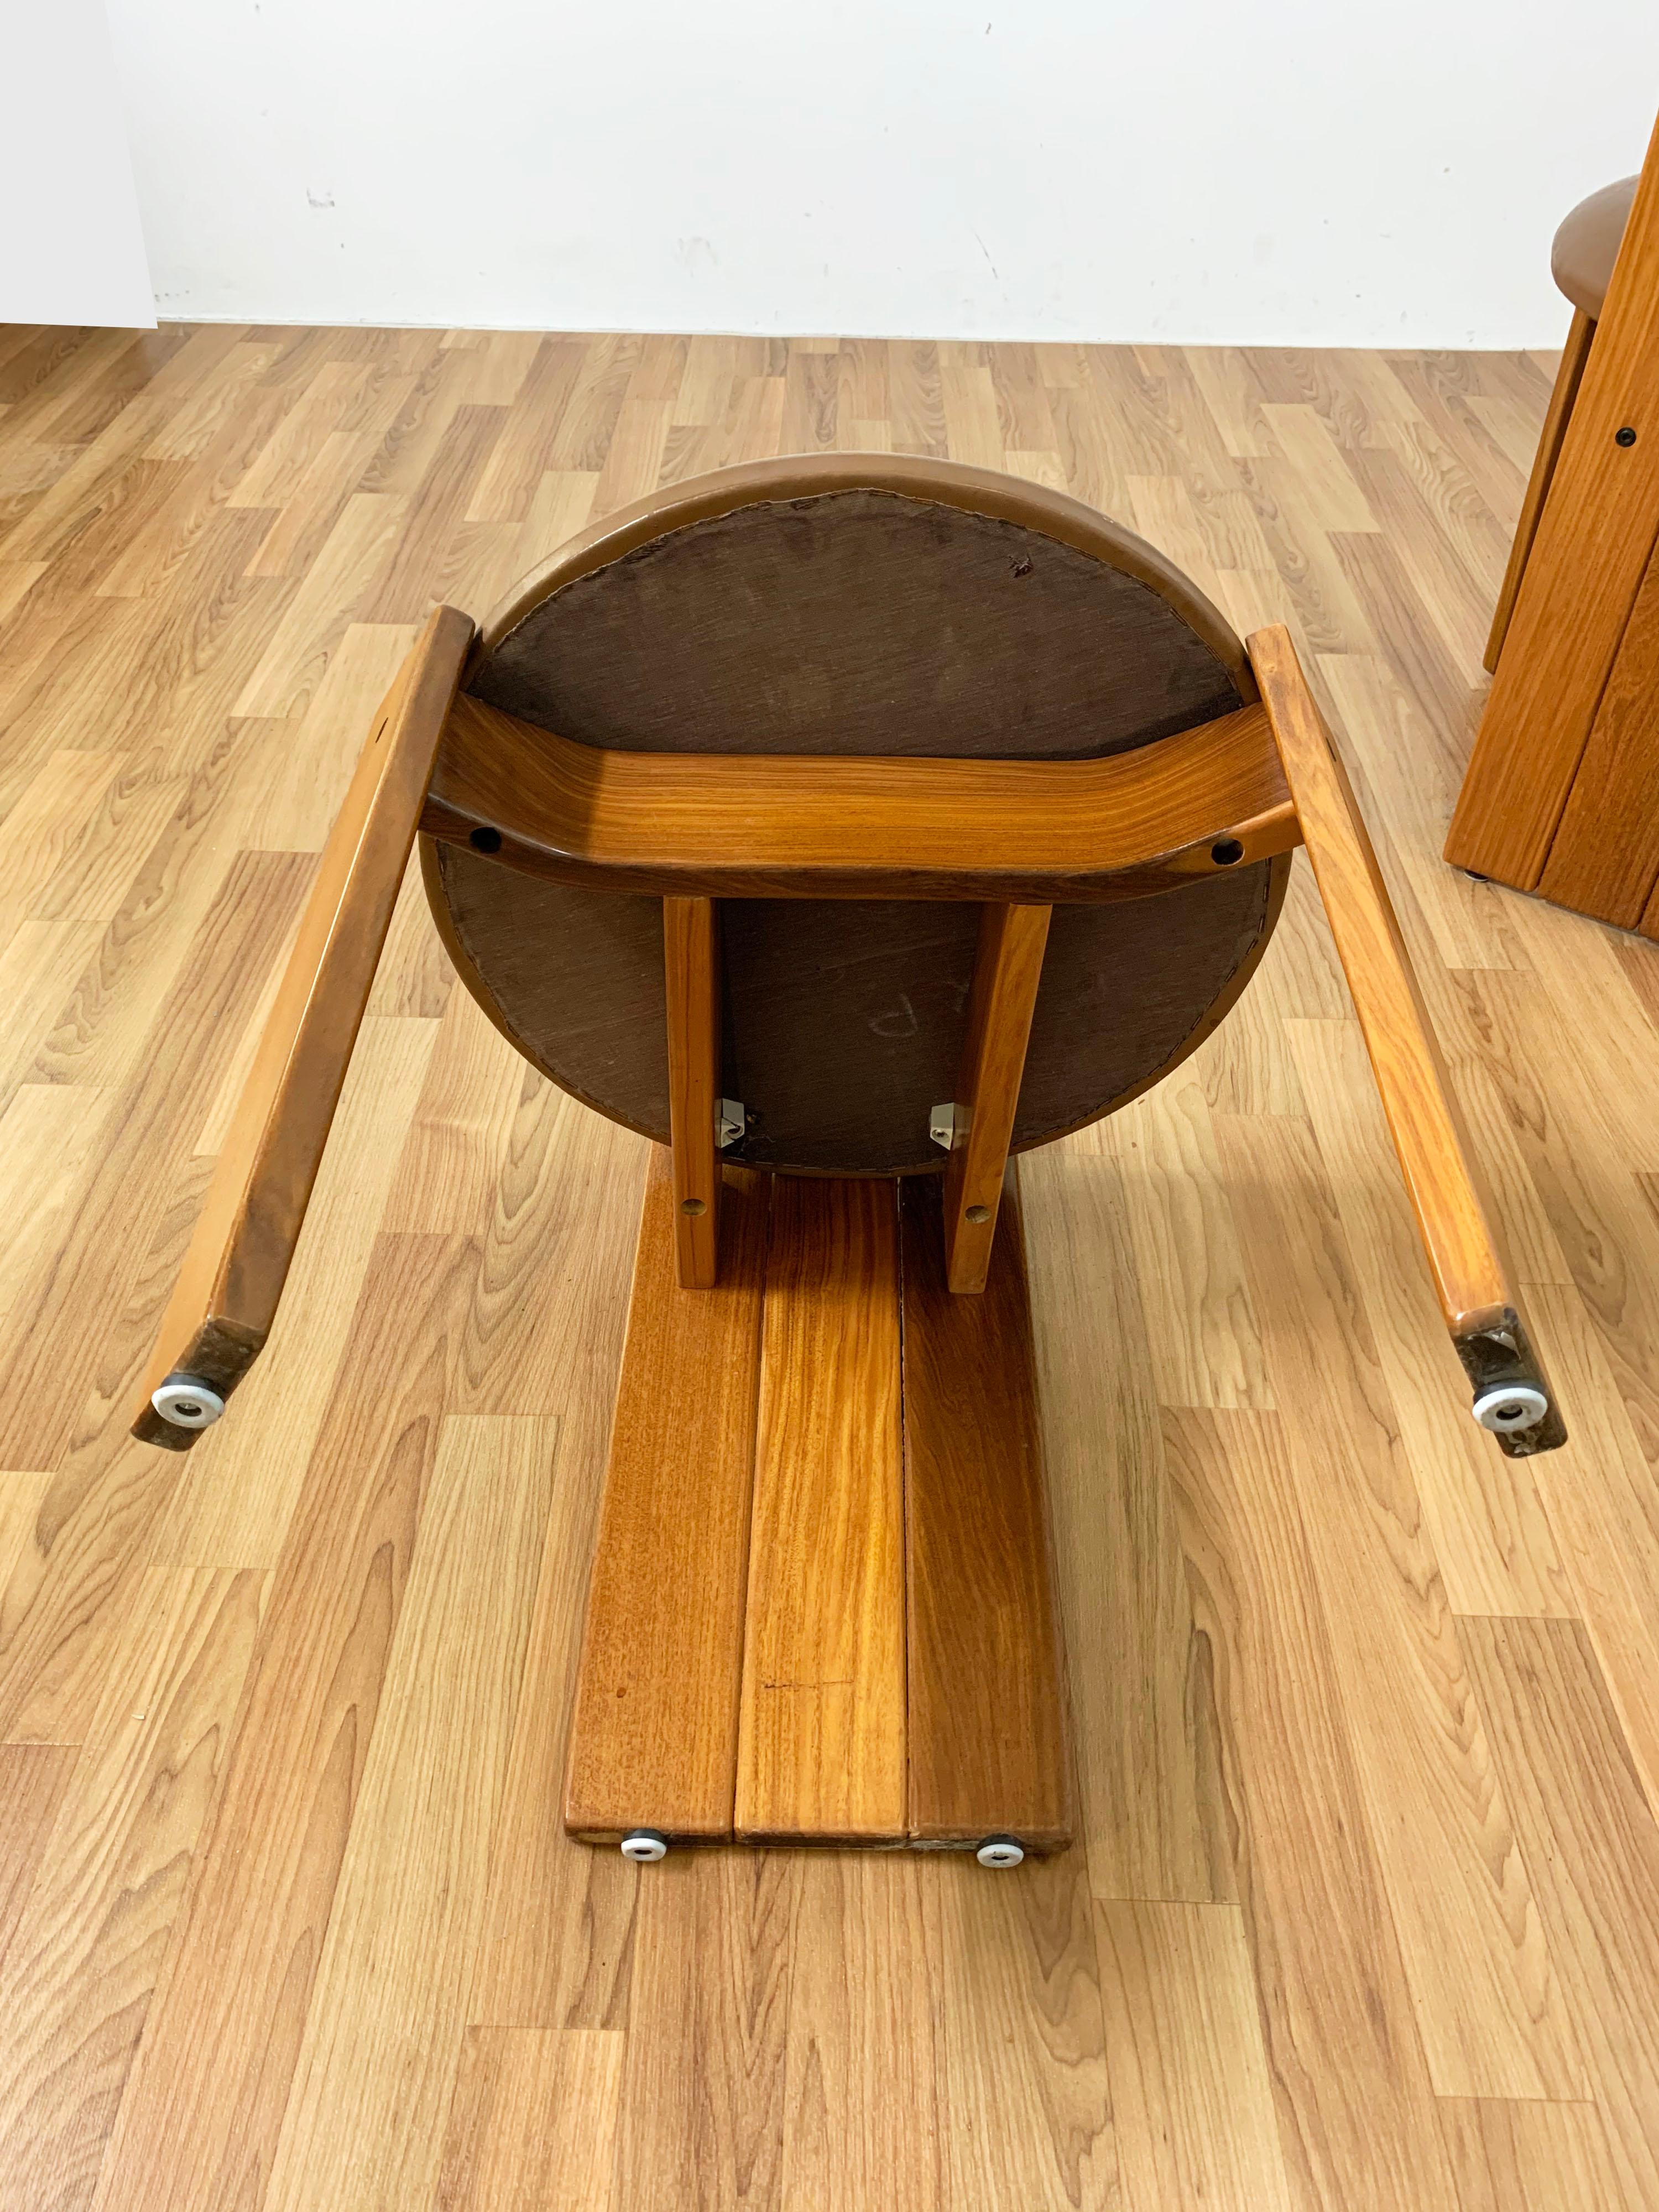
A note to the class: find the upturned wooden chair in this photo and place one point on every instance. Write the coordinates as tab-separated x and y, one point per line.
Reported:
844	824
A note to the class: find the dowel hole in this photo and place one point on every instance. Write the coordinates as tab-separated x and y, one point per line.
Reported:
693	1206
485	840
979	1215
1226	852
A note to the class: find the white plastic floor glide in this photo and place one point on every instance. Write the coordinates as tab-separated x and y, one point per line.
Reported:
186	1404
1515	1406
1001	1851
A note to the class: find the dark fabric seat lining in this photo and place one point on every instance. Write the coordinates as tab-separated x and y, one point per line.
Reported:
866	617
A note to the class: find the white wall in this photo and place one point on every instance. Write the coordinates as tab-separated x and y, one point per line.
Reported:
1187	170
71	248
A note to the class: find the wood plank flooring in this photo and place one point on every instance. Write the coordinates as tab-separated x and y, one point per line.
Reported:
1366	1717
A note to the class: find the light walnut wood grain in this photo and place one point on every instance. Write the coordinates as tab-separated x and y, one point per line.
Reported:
1592	544
83	1966
1603	1512
32	1779
1579	1140
691	941
704	2073
1490	1056
863	2060
762	824
226	1298
1154	1818
310	769
1007	970
40	831
236	1499
987	1718
1604	859
414	975
548	1305
1492	2016
50	1136
556	1948
1355	2107
1574	354
533	2120
372	2082
92	881
39	968
1411	779
203	2116
1026	2089
1202	1339
443	1173
822	1736
1469	1277
1192	2105
1517	2155
818	2029
107	1027
654	1735
95	1266
558	1945
22	1496
1592	1843
1485	1517
317	616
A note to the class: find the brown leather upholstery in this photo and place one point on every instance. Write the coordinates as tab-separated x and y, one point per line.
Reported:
855	605
1587	245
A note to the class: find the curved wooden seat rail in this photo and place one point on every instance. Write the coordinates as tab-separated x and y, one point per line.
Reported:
774	825
1020	835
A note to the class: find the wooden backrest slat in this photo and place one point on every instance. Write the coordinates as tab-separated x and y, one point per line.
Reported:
772	824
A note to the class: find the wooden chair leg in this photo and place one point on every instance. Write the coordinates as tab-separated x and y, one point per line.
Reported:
1007	968
1574	355
1472	1279
225	1300
691	960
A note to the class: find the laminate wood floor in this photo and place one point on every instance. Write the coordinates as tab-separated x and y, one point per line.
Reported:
1366	1913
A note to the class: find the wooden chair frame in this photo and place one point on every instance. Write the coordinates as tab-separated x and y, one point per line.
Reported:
1558	797
1017	838
821	1605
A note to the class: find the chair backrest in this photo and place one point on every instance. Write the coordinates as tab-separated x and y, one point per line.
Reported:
860	605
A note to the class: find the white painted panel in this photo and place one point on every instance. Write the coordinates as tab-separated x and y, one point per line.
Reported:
1296	172
71	248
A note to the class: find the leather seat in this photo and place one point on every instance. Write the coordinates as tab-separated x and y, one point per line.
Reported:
1587	245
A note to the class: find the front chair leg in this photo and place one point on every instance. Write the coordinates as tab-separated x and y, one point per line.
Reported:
1512	1395
225	1300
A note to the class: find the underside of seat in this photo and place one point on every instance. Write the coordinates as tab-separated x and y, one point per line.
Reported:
844	1019
862	606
